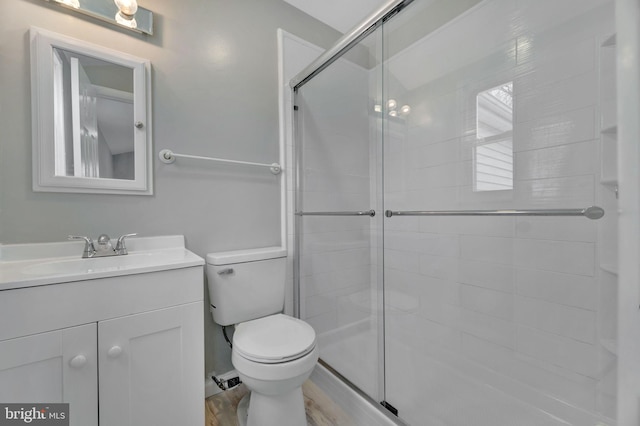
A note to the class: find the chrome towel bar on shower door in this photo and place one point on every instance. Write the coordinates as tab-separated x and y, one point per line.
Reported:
371	213
593	212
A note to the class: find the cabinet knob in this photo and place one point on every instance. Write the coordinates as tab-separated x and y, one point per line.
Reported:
114	352
78	361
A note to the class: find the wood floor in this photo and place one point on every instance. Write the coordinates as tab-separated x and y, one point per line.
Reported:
220	409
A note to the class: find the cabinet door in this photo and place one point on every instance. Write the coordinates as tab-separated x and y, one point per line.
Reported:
52	367
152	368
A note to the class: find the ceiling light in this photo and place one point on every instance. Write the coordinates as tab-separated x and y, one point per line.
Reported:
392	104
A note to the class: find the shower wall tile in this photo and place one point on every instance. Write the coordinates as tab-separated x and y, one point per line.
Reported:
487	249
402	260
322	324
564	127
438	224
425	243
571	354
434	119
434	154
565	289
329	261
320	224
551	379
434	198
487	225
575	323
330	200
493	329
559	161
441	176
488	275
556	256
326	301
565	57
320	283
559	96
488	302
442	267
556	228
565	191
335	181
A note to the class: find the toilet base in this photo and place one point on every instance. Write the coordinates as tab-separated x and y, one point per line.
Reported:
272	410
243	409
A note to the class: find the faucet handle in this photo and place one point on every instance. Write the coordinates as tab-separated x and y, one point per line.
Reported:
89	248
120	246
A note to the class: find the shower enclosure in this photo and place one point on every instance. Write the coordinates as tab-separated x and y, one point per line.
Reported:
453	163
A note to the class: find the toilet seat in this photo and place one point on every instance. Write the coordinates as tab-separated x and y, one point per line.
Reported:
274	339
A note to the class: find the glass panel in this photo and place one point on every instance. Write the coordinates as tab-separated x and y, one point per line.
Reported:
499	320
337	143
93	116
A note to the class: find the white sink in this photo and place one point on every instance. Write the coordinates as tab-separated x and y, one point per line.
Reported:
87	266
27	265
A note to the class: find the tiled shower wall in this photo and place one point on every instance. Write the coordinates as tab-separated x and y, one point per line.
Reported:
515	302
335	276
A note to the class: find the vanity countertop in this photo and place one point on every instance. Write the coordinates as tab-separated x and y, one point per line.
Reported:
29	265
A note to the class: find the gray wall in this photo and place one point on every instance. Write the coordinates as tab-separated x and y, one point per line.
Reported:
215	93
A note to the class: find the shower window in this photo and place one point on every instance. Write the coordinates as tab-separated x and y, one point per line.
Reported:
493	154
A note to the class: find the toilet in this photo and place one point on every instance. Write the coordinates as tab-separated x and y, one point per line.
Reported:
272	352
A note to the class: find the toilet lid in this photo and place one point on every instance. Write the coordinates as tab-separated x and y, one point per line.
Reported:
272	339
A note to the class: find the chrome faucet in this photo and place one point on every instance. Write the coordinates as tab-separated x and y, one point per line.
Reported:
104	247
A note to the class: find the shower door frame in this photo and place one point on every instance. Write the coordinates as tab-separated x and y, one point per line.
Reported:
342	46
627	25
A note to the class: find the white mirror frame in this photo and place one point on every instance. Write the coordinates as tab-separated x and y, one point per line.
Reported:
42	111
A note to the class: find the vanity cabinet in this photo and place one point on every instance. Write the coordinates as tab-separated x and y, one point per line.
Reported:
147	367
122	351
56	366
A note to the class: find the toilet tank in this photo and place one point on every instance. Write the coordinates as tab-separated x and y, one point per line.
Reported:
246	284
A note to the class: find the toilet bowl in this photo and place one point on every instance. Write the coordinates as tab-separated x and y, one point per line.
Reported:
273	353
273	356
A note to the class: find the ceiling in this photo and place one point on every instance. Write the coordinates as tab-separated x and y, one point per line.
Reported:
339	14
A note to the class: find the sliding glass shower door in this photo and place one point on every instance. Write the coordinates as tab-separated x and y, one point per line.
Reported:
505	319
337	221
452	171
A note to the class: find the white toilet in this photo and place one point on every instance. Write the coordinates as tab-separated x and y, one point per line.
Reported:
273	353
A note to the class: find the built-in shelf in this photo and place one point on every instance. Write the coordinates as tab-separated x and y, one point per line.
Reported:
610	268
610	345
609	42
611	130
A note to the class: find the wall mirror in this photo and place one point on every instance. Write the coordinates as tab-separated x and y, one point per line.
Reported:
90	117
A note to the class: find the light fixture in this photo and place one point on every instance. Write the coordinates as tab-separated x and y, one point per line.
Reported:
391	109
71	3
126	13
122	13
